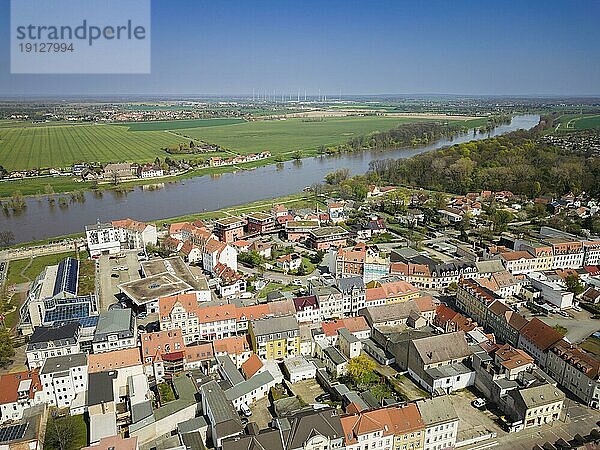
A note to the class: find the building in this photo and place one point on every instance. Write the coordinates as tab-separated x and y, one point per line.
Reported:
387	291
536	405
111	238
311	430
237	347
297	368
149	171
46	342
576	371
335	361
116	329
260	223
437	362
327	237
275	337
393	315
20	390
441	423
251	390
102	238
223	419
553	290
230	229
289	262
118	171
330	299
157	344
474	299
63	378
353	294
537	338
358	326
120	363
349	345
196	321
215	252
307	309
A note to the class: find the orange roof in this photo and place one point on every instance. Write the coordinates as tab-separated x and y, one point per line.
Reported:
130	224
406	419
10	385
514	256
511	357
166	304
216	313
241	243
391	421
353	324
390	290
160	342
213	245
115	443
187	247
175	228
541	335
425	303
198	352
100	362
235	345
251	366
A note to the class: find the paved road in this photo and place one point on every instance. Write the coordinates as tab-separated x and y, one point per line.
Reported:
579	327
581	420
40	250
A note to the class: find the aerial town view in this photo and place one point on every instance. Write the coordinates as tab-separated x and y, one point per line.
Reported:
262	225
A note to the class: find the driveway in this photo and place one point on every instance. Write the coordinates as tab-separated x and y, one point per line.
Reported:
307	390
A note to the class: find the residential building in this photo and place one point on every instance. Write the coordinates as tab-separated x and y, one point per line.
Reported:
537	338
134	234
46	342
102	238
149	171
575	370
388	291
353	294
260	223
237	347
289	262
157	344
358	326
330	299
335	361
349	345
553	289
251	390
536	405
63	378
437	362
505	323
307	309
223	419
441	423
116	329
393	315
474	299
298	368
20	390
215	252
326	237
311	430
230	229
275	337
121	363
299	230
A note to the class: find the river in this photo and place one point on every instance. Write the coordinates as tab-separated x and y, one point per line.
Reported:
41	220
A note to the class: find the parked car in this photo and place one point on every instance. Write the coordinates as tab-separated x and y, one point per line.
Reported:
115	275
245	410
479	403
323	397
297	282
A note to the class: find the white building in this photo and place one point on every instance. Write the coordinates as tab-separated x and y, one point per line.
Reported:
115	330
297	368
47	342
20	391
216	252
102	238
349	344
441	423
110	238
307	309
553	290
251	390
63	378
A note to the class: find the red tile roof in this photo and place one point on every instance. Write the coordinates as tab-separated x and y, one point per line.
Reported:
251	366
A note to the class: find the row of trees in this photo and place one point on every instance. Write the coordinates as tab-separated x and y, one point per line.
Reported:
518	162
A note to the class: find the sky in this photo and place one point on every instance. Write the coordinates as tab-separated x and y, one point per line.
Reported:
468	47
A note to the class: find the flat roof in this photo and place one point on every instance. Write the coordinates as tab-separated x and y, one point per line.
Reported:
154	287
174	265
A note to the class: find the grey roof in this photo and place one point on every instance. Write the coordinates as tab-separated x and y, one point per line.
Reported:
304	425
61	363
489	266
449	370
252	383
353	397
186	392
268	439
370	399
190	425
192	441
335	355
442	347
346	284
115	321
62	334
274	325
141	411
533	397
328	231
391	312
437	410
345	333
229	369
102	390
221	408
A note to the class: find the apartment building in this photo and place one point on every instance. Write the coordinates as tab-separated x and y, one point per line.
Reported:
353	294
537	338
327	237
275	337
20	390
441	423
260	223
537	405
388	291
116	329
230	229
63	378
46	342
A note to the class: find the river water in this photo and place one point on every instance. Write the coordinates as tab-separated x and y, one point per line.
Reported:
40	220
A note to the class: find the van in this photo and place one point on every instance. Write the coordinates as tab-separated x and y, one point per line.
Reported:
245	410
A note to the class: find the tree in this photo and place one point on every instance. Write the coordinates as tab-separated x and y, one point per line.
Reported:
301	270
337	176
361	369
63	433
6	238
297	155
574	285
7	350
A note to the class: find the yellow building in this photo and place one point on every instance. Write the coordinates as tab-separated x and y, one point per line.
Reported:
275	337
379	293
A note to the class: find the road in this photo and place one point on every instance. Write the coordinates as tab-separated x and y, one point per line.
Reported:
579	327
581	421
40	250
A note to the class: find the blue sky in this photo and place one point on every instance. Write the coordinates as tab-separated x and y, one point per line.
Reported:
358	47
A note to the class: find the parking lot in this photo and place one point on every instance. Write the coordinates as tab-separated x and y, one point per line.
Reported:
473	422
307	390
111	278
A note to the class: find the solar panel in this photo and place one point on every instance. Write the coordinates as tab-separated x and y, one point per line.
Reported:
12	432
66	277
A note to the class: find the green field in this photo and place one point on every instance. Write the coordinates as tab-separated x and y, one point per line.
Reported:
24	270
578	121
179	124
282	136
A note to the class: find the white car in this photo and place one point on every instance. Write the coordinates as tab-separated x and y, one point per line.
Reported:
479	403
297	282
245	410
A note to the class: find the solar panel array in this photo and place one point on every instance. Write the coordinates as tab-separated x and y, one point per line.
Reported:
67	312
13	432
66	278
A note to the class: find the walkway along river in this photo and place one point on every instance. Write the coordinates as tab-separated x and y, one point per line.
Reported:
40	220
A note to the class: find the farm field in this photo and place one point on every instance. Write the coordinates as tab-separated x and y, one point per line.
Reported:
578	121
179	124
285	136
